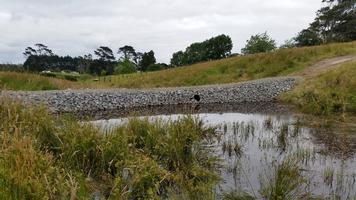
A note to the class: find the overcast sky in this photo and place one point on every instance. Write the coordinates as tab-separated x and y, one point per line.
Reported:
77	27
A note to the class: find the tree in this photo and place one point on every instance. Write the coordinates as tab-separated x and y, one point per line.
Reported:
196	52
212	49
308	37
148	59
137	59
125	67
178	59
41	50
334	23
127	52
218	47
105	53
288	44
29	51
259	43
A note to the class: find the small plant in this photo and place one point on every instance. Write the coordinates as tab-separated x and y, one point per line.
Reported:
328	175
283	137
268	123
285	182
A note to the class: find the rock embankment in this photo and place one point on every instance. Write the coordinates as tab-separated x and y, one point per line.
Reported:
89	101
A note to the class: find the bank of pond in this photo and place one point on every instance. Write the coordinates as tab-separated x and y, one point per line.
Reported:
214	155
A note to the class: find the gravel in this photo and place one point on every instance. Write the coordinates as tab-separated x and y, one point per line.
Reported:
90	101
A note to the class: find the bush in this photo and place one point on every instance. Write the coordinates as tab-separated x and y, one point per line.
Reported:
70	78
155	67
126	67
259	43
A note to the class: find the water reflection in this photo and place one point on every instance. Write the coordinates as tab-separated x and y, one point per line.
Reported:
263	151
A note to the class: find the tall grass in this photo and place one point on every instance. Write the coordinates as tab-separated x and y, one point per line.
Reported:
333	92
27	81
47	157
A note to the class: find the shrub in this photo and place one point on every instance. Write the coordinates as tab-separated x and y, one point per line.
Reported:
70	78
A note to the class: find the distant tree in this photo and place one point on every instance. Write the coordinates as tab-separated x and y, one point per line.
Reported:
218	47
41	50
212	49
105	53
125	67
11	67
29	51
288	44
84	63
308	37
157	67
178	59
259	43
127	52
137	59
334	23
196	52
148	59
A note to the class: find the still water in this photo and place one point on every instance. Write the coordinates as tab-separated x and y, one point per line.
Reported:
252	146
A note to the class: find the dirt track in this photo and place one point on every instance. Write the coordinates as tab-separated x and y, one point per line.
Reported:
324	66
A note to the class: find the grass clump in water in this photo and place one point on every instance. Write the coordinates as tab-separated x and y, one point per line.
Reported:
47	157
285	182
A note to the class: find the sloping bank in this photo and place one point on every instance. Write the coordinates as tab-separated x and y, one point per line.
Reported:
91	101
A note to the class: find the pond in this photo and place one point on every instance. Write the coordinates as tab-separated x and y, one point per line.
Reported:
255	148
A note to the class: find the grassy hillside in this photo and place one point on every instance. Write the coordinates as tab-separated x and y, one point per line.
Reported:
32	82
333	92
234	69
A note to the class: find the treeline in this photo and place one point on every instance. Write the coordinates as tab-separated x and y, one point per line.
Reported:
212	49
41	58
11	67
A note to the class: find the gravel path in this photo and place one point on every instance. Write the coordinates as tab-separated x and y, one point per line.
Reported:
90	101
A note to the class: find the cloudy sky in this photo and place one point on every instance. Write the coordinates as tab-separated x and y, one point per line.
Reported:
77	27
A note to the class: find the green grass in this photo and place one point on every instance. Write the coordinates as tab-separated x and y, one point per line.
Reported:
31	82
57	157
333	92
230	70
235	69
34	82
